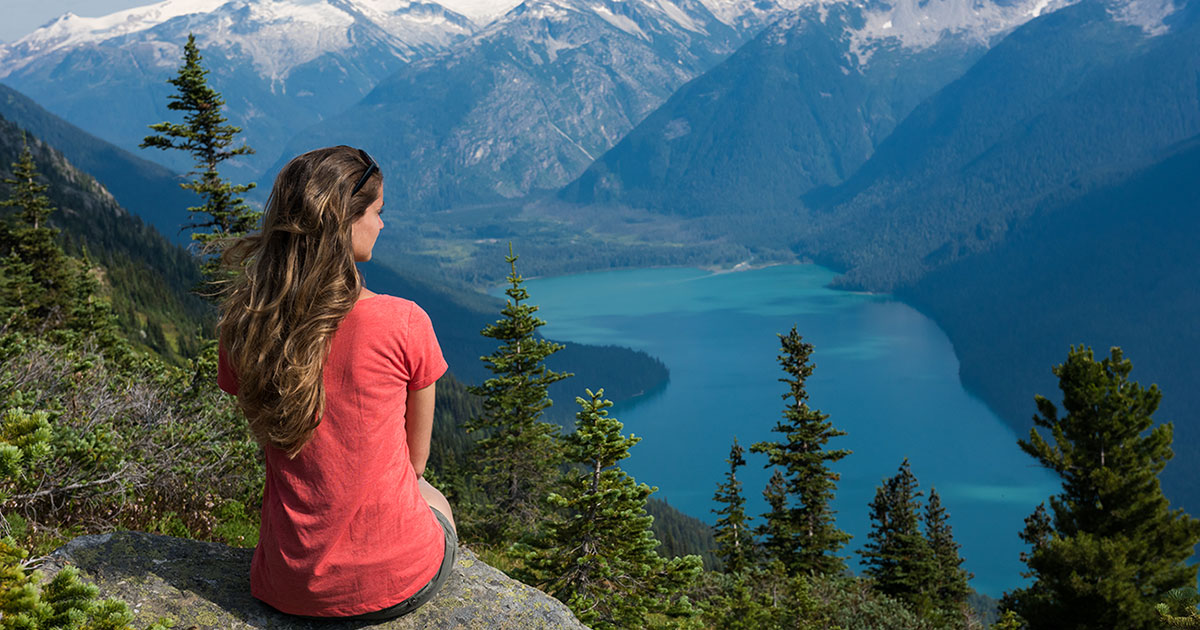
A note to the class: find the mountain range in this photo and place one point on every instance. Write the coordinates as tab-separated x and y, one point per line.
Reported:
801	106
281	65
561	80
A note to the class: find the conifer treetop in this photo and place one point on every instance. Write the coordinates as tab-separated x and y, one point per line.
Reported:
29	195
811	538
735	545
206	136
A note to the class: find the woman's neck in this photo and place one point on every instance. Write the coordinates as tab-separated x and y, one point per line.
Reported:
366	293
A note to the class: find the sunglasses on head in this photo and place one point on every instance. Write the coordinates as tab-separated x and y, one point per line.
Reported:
372	167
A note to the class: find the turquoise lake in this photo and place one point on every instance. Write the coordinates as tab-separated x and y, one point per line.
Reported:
885	374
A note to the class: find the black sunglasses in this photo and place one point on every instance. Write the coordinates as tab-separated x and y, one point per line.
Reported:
372	167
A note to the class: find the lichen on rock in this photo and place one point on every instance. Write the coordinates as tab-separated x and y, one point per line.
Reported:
205	586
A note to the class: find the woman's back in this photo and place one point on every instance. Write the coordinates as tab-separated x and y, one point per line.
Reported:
345	530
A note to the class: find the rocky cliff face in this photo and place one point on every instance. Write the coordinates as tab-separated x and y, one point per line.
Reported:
205	586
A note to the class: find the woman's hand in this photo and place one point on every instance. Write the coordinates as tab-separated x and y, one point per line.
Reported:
418	420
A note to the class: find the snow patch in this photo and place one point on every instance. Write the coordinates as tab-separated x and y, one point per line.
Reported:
919	24
1150	15
619	21
733	12
681	18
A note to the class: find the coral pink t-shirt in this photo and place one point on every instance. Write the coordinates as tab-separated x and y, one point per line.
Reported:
344	529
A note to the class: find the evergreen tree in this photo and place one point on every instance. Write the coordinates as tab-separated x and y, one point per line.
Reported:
601	559
42	289
1110	548
735	545
1008	621
949	586
897	555
38	276
518	455
205	134
776	527
1178	608
812	538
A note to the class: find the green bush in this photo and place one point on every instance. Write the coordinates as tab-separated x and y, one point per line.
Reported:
88	443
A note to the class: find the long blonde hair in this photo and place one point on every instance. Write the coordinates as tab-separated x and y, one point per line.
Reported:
293	283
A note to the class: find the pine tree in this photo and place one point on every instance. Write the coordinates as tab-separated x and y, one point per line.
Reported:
205	135
949	586
812	537
735	545
519	455
1110	547
1178	608
898	556
601	559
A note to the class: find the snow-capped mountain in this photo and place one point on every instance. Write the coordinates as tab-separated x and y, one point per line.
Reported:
807	103
529	101
280	64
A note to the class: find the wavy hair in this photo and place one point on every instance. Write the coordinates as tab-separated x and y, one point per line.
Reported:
289	287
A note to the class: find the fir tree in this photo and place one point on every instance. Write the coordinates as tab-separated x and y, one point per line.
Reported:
601	559
949	586
1110	547
38	276
518	455
735	545
897	555
812	537
776	529
42	289
205	134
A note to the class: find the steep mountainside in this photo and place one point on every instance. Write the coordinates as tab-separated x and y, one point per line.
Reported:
144	188
801	106
1116	267
280	64
147	277
1062	106
528	102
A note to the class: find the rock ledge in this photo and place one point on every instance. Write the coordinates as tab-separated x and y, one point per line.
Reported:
205	586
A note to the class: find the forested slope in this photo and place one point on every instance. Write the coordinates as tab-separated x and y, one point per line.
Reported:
1117	267
1061	107
144	188
149	277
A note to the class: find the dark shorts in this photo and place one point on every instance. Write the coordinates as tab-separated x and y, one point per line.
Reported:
427	592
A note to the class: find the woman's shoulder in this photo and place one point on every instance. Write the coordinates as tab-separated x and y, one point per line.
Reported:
392	306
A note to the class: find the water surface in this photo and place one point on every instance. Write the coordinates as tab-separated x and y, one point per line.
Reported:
885	374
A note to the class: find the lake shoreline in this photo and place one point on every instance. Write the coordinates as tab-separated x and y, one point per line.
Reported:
863	342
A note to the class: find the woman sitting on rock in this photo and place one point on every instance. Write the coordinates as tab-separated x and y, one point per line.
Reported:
337	383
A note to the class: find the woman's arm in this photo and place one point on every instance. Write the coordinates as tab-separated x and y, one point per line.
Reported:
418	420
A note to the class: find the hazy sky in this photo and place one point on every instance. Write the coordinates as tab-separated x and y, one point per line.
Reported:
23	16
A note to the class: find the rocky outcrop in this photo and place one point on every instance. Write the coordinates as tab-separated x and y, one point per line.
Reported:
205	586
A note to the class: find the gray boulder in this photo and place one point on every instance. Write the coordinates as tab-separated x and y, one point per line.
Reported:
206	586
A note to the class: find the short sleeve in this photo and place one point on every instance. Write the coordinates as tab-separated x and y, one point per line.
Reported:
226	378
422	354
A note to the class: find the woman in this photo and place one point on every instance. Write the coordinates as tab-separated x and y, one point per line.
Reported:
337	383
